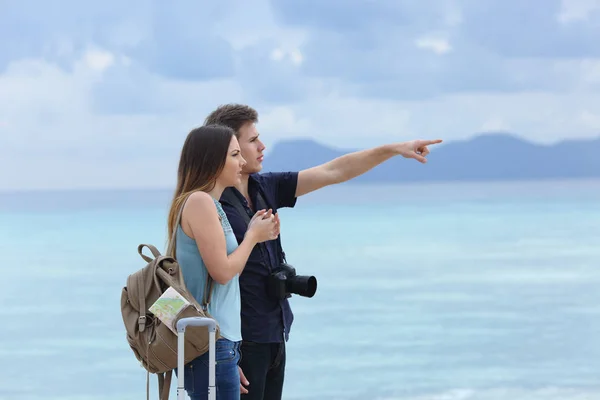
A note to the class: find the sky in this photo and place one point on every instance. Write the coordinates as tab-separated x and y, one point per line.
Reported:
102	94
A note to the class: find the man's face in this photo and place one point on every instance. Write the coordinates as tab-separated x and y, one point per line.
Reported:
252	148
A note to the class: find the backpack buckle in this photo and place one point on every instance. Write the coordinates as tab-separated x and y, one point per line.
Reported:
142	322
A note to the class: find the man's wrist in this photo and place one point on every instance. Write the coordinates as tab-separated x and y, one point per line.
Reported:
393	149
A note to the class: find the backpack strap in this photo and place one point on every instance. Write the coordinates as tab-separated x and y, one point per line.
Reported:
207	291
142	303
153	250
171	250
171	247
164	384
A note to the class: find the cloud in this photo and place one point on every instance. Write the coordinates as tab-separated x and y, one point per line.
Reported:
181	43
495	124
589	120
271	73
573	11
98	60
177	42
103	95
409	50
57	128
437	45
524	29
350	16
355	122
127	88
59	31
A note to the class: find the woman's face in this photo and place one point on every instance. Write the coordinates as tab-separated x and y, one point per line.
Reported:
232	171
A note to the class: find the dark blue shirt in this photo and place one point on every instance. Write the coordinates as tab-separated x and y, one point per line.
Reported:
264	318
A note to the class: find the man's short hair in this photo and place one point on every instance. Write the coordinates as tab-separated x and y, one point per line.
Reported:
233	116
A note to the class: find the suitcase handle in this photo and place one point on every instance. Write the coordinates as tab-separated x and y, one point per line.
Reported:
196	321
211	325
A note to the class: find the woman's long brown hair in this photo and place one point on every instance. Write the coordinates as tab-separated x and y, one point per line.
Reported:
202	159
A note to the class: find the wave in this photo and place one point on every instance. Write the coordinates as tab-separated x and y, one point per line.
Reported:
547	393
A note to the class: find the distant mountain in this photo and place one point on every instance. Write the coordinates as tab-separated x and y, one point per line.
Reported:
485	157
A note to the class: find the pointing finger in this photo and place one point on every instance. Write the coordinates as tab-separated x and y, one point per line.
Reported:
428	142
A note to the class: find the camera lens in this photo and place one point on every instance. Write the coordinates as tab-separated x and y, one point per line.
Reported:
305	286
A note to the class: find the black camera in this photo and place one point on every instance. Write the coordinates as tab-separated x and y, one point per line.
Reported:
283	281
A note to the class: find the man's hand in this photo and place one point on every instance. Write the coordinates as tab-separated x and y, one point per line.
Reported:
243	381
277	228
416	149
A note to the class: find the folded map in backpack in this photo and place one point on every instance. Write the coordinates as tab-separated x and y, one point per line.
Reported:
168	307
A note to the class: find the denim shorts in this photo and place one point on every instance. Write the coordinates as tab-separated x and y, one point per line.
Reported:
227	376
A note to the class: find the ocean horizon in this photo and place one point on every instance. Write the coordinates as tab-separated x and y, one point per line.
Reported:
437	291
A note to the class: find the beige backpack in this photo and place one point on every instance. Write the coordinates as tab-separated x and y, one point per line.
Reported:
152	342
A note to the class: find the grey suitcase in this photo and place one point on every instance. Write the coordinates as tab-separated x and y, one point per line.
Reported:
211	324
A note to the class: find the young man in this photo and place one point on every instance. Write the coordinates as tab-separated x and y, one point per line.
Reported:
266	320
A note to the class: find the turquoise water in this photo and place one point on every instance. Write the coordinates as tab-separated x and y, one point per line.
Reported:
442	292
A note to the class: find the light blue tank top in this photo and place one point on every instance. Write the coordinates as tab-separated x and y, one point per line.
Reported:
225	303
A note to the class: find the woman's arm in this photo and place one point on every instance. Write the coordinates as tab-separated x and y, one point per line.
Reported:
201	218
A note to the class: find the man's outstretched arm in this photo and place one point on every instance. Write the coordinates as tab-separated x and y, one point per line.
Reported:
351	165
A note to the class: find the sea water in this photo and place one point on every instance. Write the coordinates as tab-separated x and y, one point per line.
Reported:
449	291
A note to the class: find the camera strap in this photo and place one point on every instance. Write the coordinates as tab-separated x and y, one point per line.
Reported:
234	200
260	199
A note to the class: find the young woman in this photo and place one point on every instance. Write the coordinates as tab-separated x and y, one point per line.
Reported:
206	245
